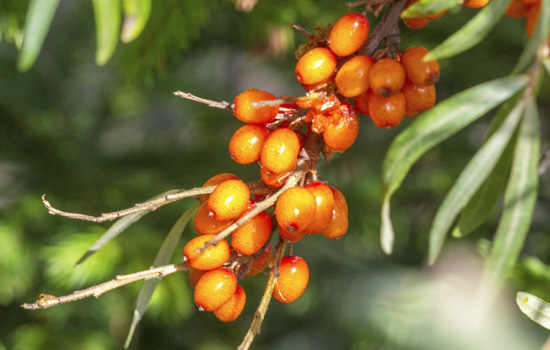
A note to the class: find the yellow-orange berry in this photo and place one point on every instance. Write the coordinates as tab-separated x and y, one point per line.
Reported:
291	236
215	288
419	72
194	276
339	224
475	4
416	23
260	263
245	111
386	77
516	9
246	143
352	78
530	2
348	33
361	103
280	151
250	237
386	112
343	128
206	224
233	308
418	98
315	66
295	209
212	257
214	181
271	179
229	200
292	280
324	200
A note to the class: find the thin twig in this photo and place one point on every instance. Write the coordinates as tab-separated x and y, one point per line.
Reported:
209	103
385	27
47	301
299	28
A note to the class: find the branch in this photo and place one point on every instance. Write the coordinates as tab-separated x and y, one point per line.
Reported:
388	25
209	103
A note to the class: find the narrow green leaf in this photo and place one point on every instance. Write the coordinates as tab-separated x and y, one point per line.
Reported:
471	178
136	14
38	21
427	7
163	257
519	203
107	20
535	308
472	33
434	126
546	63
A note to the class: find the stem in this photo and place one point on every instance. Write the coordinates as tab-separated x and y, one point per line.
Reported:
388	25
209	103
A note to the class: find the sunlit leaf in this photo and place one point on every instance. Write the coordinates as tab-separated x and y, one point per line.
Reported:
37	23
107	20
427	7
434	126
136	14
535	308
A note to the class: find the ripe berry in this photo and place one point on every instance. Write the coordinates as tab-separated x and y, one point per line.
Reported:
315	66
418	98
250	237
206	224
291	236
343	128
214	181
532	19
213	257
361	103
292	280
215	288
280	151
271	179
295	209
386	112
233	308
339	224
246	143
325	205
352	78
386	77
416	23
261	262
475	4
194	276
516	9
229	200
419	72
348	34
246	112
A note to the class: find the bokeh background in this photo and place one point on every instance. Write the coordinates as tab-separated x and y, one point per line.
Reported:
98	139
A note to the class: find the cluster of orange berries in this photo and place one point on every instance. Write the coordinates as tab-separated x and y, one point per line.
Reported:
525	8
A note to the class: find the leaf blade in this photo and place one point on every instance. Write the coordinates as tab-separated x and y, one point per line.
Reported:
107	20
535	308
136	15
427	7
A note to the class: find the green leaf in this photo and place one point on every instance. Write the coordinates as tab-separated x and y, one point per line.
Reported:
107	19
546	63
427	7
136	14
431	128
472	33
519	203
535	308
471	178
163	256
37	23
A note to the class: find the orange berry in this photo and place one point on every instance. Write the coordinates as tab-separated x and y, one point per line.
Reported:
418	98
250	237
246	143
416	23
215	288
530	2
280	151
352	78
206	224
260	263
325	205
343	128
213	257
475	4
516	9
295	209
292	280
194	276
532	19
348	34
229	200
386	77
315	66
271	179
233	308
246	112
361	103
386	112
419	72
339	224
214	181
291	236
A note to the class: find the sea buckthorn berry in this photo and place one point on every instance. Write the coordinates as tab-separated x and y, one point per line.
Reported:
246	143
292	280
339	224
206	224
530	2
271	179
348	33
244	110
215	288
194	276
361	103
261	262
532	19
352	78
475	4
280	151
213	257
386	112
229	200
315	66
214	181
418	98
416	23
325	205
250	237
295	209
291	236
516	9
233	308
419	72
343	129
386	77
